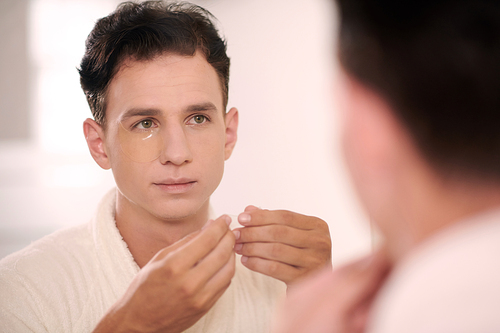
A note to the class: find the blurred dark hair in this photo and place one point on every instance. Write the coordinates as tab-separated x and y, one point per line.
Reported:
143	31
438	64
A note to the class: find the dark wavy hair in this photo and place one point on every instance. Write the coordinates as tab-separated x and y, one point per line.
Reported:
143	31
437	62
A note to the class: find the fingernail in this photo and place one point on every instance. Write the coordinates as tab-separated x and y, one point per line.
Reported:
207	224
227	219
244	218
236	234
238	247
244	259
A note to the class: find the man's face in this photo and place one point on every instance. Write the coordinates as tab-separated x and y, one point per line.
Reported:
178	99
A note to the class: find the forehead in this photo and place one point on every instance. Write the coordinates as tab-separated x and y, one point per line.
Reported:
170	83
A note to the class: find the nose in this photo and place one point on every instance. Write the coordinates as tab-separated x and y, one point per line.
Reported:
176	146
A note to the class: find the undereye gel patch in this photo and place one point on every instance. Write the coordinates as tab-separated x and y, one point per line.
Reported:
141	145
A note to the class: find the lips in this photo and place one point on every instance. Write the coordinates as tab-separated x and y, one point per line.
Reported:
180	185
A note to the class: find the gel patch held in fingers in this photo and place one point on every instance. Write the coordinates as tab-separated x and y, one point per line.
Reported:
141	145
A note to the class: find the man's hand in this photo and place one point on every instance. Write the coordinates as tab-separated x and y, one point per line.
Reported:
337	301
282	244
179	285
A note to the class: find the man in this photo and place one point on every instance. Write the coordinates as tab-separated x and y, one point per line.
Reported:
156	79
422	142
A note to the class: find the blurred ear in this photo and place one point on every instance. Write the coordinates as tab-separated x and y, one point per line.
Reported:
374	131
231	131
376	145
94	134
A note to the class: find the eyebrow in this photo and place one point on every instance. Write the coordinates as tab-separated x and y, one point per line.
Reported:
201	107
139	112
134	112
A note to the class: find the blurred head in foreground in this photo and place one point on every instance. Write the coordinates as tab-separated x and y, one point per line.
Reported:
422	111
421	107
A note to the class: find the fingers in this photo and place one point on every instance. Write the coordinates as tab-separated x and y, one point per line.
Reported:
254	216
214	291
282	244
212	276
222	278
365	278
282	234
200	245
166	251
276	269
277	251
337	301
216	259
281	261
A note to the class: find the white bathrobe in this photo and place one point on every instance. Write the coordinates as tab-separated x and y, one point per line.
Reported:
65	282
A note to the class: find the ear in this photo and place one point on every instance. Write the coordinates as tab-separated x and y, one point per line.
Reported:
94	134
231	121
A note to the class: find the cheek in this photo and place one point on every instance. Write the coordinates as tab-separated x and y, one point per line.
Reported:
210	145
128	174
210	154
125	171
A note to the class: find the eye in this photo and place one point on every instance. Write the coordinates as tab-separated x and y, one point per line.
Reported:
145	124
199	119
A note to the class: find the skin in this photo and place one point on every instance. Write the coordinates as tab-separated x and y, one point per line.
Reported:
285	245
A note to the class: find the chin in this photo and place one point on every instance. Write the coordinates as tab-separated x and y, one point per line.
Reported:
178	210
173	216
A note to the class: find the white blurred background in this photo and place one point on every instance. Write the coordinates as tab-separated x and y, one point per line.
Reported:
282	77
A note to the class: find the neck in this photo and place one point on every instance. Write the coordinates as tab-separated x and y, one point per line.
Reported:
146	234
433	207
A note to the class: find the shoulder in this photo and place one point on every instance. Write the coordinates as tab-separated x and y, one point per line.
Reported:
49	252
449	284
43	271
50	260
